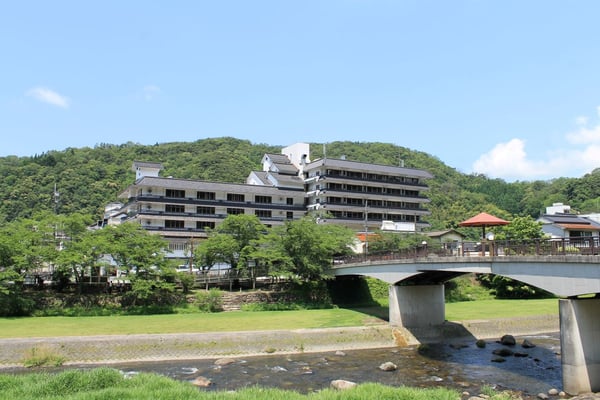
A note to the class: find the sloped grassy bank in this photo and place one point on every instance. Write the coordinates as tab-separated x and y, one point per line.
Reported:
110	384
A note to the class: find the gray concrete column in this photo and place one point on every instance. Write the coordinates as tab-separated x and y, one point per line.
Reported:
580	344
417	306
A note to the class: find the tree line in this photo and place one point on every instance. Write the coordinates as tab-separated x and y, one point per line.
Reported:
88	178
81	259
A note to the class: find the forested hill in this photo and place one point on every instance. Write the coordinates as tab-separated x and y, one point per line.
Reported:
89	178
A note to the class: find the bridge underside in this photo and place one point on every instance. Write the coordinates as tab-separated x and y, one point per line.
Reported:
416	300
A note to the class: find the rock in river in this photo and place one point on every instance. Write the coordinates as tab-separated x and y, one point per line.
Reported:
388	366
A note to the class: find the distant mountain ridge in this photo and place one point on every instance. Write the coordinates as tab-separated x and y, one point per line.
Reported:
89	178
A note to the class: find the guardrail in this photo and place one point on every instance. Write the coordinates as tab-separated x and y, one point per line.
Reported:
493	248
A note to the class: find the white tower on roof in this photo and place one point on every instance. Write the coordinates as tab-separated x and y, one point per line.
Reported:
298	153
143	169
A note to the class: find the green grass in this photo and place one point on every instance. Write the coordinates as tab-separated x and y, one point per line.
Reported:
179	323
109	384
486	309
252	321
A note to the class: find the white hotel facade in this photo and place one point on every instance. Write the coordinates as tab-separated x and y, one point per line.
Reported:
358	195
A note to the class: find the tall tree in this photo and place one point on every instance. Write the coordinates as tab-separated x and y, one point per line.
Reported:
311	246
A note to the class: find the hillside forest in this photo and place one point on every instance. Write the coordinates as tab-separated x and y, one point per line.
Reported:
86	179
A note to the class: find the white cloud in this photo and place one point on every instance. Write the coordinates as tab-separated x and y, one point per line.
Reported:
585	135
506	160
151	92
46	95
510	161
580	154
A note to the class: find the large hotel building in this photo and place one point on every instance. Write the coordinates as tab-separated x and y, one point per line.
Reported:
361	196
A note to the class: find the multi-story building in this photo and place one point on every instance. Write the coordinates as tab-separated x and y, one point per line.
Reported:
361	196
181	210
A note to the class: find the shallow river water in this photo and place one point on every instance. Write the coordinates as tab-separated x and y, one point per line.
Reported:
461	366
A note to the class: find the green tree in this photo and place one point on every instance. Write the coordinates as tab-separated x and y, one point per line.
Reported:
311	247
81	256
135	249
520	228
244	229
218	248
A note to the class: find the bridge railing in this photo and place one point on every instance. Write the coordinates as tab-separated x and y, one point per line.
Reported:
485	248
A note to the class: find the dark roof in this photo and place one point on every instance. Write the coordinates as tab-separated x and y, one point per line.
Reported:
147	164
278	158
355	165
282	163
283	181
182	184
565	219
569	221
442	233
579	227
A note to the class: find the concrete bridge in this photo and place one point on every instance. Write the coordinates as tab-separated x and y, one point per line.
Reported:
416	295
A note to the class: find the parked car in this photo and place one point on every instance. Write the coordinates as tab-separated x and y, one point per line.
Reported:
186	268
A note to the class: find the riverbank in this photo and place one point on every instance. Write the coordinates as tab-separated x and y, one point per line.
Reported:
112	349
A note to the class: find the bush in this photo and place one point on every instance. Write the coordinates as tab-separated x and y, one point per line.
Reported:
42	357
210	300
465	288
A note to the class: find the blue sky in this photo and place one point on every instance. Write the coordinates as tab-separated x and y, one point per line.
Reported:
510	89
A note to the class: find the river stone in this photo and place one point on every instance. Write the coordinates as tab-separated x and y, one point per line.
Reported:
508	340
527	344
201	382
520	354
388	366
480	343
340	384
503	352
498	359
553	392
542	396
224	361
340	353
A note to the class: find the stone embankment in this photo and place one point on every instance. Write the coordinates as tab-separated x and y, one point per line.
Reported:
124	348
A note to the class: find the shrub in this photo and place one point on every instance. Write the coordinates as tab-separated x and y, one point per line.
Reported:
209	300
42	357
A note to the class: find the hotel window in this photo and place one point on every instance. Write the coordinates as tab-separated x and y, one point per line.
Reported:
235	211
174	224
263	213
205	224
290	215
290	201
173	208
263	199
205	195
175	193
235	197
205	210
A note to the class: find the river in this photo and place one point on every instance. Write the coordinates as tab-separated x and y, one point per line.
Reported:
461	365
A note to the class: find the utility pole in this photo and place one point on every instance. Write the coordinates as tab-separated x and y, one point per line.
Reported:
191	259
56	198
366	228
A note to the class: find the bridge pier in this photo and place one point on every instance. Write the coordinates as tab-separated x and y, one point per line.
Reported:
417	306
579	339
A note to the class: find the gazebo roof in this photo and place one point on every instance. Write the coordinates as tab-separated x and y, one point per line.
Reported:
484	219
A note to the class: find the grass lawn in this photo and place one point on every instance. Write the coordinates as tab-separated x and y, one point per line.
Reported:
487	309
179	323
248	321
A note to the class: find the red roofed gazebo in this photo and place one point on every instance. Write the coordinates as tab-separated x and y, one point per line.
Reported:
483	220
